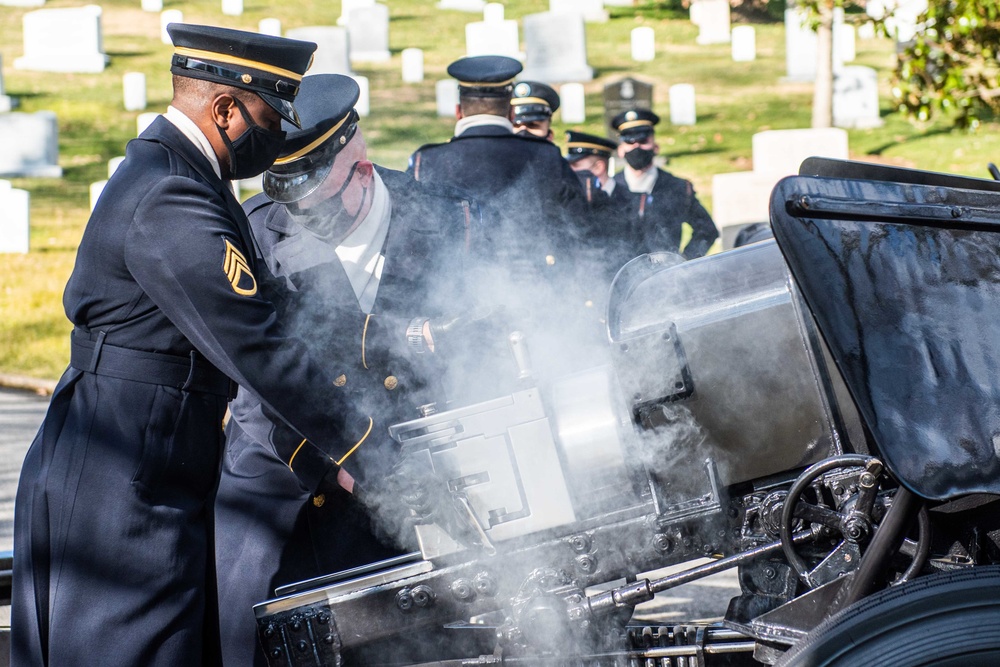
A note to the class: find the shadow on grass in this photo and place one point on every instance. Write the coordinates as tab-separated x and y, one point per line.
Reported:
878	150
700	151
128	54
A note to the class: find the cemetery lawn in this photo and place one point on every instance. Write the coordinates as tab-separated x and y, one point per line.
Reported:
734	101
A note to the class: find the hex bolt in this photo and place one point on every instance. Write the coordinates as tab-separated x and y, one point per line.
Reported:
580	543
662	543
269	631
303	646
296	624
404	600
586	564
770	572
423	596
485	584
463	590
276	652
323	618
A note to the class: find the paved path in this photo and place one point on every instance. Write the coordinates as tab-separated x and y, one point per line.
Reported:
20	414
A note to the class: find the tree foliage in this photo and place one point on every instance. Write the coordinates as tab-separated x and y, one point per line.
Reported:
950	68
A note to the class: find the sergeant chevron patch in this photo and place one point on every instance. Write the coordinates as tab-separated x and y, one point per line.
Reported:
236	267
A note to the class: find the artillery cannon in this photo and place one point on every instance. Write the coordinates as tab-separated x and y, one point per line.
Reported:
822	414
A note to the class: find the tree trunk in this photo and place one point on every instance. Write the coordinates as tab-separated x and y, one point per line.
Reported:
822	111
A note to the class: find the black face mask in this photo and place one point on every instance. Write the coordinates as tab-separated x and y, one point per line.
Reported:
329	216
640	158
253	151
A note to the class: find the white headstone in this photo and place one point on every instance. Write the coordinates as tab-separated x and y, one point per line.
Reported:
713	21
95	193
22	3
800	46
474	6
619	3
741	197
778	153
694	12
494	38
232	7
15	219
143	121
167	17
446	94
682	107
643	44
154	6
269	27
369	34
348	6
572	103
63	40
844	48
493	11
592	11
114	163
744	43
332	48
363	106
413	65
556	48
855	98
30	144
134	89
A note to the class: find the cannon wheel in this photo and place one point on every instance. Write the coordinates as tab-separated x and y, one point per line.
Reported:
941	620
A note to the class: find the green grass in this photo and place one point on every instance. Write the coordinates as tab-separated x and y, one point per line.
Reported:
735	100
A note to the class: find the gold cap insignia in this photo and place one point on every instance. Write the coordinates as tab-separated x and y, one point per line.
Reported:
550	260
631	115
236	267
522	89
319	499
340	381
391	382
246	78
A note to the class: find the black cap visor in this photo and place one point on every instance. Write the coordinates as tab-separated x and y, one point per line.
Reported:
284	108
296	180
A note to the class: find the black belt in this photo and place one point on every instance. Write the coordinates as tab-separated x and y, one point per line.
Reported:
187	374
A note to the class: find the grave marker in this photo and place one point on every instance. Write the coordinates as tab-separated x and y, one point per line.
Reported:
269	27
572	103
332	50
643	44
492	38
368	28
363	105
348	6
446	96
167	17
95	193
713	21
555	48
134	91
493	11
6	101
855	98
232	7
682	106
30	145
154	6
143	121
63	40
744	44
413	65
114	163
623	95
15	219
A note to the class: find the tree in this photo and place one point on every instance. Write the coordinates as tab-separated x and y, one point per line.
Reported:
950	67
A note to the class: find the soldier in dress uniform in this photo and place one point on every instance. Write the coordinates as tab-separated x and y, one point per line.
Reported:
366	259
590	156
659	203
113	527
534	103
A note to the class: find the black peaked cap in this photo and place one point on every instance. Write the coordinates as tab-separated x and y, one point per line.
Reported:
270	66
579	145
635	124
485	75
326	109
533	100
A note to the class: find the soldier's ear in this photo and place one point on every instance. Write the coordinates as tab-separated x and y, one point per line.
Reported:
221	108
458	112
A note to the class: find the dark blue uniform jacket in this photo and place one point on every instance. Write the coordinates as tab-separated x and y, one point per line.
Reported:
656	218
273	530
113	521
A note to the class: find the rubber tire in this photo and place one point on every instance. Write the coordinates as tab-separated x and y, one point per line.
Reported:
941	620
